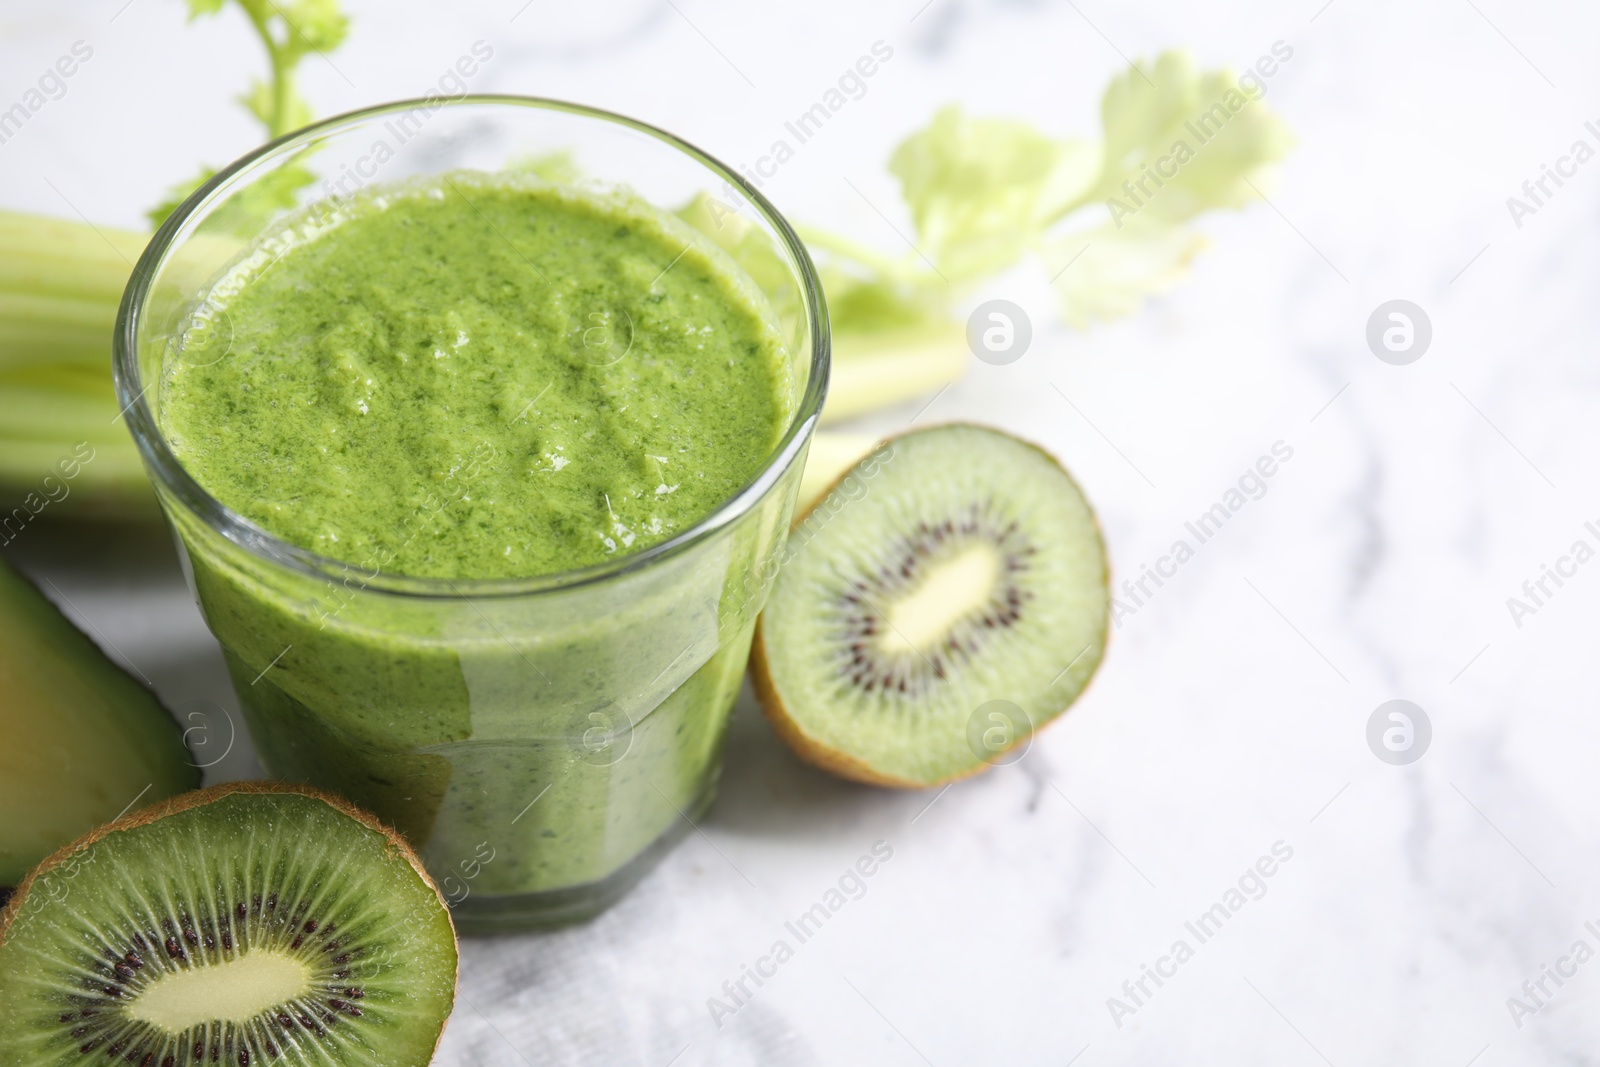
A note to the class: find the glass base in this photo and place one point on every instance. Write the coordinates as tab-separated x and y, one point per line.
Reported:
505	913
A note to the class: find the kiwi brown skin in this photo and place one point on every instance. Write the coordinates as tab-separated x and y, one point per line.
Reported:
199	798
842	764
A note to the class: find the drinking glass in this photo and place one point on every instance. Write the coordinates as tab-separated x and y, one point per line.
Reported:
541	741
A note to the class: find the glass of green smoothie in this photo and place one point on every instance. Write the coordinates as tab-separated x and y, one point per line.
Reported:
479	424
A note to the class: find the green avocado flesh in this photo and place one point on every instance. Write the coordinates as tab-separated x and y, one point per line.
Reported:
80	741
254	928
944	601
476	378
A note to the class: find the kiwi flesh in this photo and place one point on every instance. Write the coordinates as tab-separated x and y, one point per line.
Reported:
946	599
83	740
248	923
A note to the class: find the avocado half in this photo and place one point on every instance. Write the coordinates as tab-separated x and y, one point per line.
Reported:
80	740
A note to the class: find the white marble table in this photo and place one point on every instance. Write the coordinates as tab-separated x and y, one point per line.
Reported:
1231	713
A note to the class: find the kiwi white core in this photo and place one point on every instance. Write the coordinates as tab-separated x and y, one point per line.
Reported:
237	991
922	618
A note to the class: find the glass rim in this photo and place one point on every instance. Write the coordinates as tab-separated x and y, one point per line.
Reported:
170	473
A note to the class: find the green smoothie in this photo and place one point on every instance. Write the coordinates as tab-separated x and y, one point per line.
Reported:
486	378
606	380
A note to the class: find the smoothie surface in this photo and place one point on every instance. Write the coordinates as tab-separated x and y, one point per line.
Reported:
480	378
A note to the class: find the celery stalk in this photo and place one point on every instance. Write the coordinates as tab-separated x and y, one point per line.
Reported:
831	455
52	329
60	283
110	486
882	367
57	257
60	286
45	412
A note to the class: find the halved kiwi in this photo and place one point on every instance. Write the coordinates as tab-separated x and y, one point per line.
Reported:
942	602
249	923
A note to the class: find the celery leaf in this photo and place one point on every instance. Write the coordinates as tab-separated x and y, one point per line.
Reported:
288	31
979	188
1179	142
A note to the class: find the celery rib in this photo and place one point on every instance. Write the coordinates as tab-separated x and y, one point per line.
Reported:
33	412
874	370
830	456
111	485
57	257
38	330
